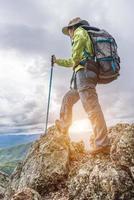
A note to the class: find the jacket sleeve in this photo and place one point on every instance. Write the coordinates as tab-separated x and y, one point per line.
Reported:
77	52
65	62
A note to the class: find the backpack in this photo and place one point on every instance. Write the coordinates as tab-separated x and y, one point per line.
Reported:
105	54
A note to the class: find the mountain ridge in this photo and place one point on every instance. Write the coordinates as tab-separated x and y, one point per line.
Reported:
7	140
9	157
56	168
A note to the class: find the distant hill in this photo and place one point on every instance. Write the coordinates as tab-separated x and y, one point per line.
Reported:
12	140
9	157
13	149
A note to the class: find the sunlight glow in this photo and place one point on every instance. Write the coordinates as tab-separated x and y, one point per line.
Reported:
80	126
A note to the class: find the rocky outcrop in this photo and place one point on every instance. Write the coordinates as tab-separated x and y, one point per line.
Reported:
4	179
122	151
99	179
59	169
107	177
46	164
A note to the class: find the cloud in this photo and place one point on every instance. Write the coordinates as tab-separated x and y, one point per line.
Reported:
30	32
22	12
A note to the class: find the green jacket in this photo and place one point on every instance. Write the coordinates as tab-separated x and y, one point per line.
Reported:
81	42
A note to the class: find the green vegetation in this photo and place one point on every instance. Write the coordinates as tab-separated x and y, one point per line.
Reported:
9	157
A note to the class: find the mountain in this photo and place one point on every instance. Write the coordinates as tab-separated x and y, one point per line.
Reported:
7	140
57	168
9	157
13	149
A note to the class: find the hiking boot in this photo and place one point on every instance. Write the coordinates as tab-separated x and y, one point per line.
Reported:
60	127
103	150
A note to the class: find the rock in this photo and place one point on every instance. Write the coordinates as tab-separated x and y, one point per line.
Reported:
61	194
45	166
122	151
108	177
132	171
60	169
98	179
4	180
116	131
76	150
26	194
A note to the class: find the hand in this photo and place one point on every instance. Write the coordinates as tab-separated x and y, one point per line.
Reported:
53	59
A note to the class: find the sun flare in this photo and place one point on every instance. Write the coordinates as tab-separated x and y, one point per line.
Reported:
80	126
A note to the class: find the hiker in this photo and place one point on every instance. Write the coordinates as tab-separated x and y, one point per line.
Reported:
84	83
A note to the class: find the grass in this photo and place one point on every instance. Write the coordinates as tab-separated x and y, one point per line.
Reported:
9	157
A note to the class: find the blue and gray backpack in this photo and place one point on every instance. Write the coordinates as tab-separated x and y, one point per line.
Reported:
105	54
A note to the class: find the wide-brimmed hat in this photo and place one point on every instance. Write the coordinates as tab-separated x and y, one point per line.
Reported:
72	23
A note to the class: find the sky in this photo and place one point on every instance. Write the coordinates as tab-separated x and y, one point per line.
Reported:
30	32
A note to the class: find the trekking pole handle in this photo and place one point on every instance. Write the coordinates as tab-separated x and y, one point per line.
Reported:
52	60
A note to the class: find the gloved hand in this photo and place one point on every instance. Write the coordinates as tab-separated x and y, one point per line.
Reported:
53	59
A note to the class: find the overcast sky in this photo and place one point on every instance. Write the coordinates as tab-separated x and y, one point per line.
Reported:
30	32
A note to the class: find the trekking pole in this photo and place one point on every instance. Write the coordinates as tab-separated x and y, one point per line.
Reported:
49	94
